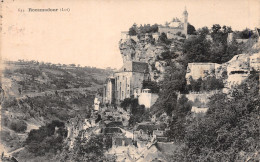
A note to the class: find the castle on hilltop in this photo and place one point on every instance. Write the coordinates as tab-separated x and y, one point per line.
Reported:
171	29
128	81
175	26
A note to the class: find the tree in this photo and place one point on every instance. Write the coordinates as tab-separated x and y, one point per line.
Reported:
152	85
173	83
203	31
46	139
178	123
163	39
245	34
197	49
191	29
88	150
230	129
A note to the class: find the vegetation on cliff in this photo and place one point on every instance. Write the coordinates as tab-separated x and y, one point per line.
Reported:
228	132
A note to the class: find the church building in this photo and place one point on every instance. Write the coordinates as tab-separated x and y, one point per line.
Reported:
125	81
175	26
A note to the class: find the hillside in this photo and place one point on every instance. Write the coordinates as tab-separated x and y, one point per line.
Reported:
36	94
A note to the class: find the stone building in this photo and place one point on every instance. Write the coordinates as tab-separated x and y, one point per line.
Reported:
128	78
125	81
176	25
125	36
97	102
109	90
200	70
147	98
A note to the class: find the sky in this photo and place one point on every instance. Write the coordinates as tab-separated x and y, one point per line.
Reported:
89	33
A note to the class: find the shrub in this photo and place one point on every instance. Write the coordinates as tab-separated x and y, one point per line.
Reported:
18	126
152	86
46	138
210	83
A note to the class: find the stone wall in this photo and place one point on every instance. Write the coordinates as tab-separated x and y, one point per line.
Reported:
162	29
147	99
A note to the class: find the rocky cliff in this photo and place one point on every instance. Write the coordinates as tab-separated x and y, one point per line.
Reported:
158	54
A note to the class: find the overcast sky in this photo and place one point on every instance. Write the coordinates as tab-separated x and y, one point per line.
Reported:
89	34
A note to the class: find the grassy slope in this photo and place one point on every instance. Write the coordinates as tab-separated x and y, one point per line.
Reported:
46	93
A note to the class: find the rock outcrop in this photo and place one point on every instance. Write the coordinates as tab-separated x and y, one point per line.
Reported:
149	50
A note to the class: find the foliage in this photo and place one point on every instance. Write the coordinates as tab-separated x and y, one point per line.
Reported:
167	55
197	49
13	140
173	83
48	138
208	84
7	72
201	49
29	71
85	150
143	29
9	102
191	29
178	122
163	39
230	129
138	115
246	34
152	85
18	125
129	103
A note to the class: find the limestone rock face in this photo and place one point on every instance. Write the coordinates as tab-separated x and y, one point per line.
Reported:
144	51
139	51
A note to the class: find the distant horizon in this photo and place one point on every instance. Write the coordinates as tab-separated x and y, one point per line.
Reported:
89	34
76	65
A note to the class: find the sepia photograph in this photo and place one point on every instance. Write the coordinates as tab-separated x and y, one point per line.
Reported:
130	81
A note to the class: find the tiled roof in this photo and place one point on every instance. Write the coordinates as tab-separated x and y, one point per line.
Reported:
114	124
149	127
111	130
119	141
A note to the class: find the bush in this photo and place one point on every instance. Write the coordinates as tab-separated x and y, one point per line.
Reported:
152	85
46	139
210	83
18	126
129	103
7	72
29	71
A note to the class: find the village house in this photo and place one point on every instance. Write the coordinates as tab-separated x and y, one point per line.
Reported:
144	131
111	131
109	91
147	98
97	102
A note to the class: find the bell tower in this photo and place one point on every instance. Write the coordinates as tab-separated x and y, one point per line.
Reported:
185	21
